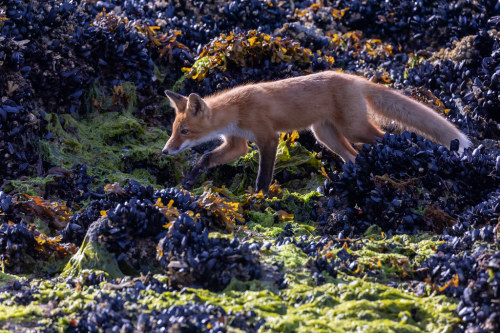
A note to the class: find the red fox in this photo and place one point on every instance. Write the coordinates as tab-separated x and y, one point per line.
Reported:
339	109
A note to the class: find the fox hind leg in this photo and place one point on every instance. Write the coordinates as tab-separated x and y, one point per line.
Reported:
356	125
365	132
329	136
267	157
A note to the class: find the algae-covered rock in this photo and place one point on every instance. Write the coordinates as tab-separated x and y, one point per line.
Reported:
112	140
93	255
14	318
6	278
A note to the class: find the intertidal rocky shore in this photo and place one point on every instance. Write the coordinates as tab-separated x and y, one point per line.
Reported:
96	234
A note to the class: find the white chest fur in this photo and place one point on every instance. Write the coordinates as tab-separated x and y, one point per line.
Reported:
234	130
230	130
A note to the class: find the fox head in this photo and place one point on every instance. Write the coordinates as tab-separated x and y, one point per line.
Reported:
192	124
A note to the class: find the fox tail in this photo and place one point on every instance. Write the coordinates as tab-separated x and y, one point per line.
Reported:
390	104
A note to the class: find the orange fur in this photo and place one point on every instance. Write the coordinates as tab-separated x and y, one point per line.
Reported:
337	107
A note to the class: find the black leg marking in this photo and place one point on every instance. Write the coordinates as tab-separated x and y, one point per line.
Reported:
196	172
267	157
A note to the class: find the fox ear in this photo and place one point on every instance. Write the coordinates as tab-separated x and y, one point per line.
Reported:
197	106
177	101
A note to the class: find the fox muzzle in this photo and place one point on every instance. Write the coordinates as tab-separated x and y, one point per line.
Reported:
174	151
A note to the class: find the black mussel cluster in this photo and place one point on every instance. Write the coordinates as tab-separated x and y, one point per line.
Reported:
50	52
133	220
111	314
5	203
137	224
465	78
80	222
124	229
19	131
19	292
17	247
200	21
471	274
181	199
405	183
191	257
53	50
17	242
224	79
241	57
121	221
486	212
23	248
413	25
467	266
73	185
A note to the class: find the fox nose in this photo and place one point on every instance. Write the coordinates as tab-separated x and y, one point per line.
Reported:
165	151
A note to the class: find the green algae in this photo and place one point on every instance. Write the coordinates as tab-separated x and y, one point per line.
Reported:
350	303
105	143
339	305
34	186
265	220
70	299
268	224
253	285
300	205
92	255
110	140
287	208
343	304
12	315
6	278
394	257
291	155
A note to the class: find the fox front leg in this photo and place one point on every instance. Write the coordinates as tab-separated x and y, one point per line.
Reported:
231	149
195	173
267	157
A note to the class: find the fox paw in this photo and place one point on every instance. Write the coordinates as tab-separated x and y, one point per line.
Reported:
191	178
187	183
196	172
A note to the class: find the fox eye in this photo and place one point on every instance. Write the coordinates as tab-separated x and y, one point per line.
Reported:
184	131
